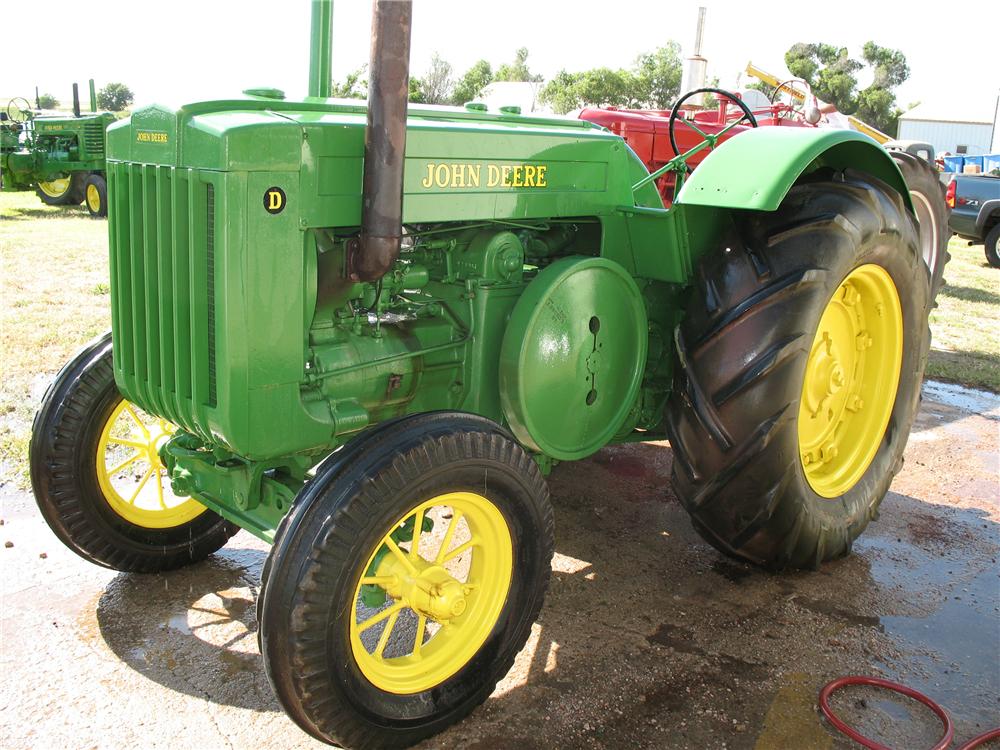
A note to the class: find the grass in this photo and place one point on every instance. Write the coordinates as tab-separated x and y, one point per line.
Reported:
965	326
54	298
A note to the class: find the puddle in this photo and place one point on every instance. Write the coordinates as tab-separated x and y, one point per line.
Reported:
967	399
951	653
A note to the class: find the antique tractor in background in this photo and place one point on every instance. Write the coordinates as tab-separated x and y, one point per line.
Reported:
366	334
60	157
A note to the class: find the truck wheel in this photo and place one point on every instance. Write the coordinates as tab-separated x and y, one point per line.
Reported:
60	191
927	194
405	580
801	357
992	244
98	479
96	195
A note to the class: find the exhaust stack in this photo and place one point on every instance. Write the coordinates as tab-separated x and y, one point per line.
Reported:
93	96
76	100
385	142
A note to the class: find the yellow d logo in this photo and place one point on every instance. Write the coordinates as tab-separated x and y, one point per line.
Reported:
274	200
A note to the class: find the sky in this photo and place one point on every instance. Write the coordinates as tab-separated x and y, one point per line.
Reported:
189	50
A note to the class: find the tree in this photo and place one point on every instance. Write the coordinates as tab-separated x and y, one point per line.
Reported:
470	86
517	70
416	96
47	101
437	85
831	72
115	97
658	76
354	86
653	81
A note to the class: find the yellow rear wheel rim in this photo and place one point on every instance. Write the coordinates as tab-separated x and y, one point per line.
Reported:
851	379
56	188
446	589
132	477
93	198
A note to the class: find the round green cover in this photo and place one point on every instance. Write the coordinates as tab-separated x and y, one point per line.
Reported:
572	357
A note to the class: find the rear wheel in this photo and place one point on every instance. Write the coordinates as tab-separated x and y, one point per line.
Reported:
927	194
405	579
802	354
98	479
59	191
992	243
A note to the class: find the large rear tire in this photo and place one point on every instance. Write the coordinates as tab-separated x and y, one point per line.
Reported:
782	367
927	194
98	480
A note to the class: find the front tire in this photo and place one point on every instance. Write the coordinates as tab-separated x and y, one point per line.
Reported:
795	395
370	643
98	481
96	195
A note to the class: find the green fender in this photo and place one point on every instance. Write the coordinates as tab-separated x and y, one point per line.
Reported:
757	168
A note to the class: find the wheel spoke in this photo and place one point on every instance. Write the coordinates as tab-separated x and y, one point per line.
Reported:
386	632
378	580
695	128
135	418
394	548
142	483
729	127
130	443
159	488
130	460
452	526
376	619
418	640
460	549
415	539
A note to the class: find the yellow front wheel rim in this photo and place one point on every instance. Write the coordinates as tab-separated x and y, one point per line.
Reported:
56	188
93	198
446	587
132	477
851	379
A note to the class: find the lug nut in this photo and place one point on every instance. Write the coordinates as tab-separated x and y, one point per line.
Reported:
864	340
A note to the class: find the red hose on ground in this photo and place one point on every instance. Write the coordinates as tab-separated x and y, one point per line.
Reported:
831	687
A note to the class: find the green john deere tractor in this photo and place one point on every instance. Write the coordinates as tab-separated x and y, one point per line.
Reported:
367	334
61	158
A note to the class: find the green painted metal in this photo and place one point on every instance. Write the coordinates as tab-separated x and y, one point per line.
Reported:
320	49
757	168
234	317
573	357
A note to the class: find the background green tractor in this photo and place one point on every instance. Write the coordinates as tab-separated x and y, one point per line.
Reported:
60	157
366	334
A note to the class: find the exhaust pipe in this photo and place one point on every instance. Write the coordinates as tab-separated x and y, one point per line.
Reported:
320	44
385	142
76	100
93	96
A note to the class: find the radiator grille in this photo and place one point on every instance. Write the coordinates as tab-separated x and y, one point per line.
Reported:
93	138
163	288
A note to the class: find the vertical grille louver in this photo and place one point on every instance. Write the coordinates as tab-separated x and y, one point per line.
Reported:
93	138
163	289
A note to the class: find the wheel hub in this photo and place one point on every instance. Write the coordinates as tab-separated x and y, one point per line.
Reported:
429	590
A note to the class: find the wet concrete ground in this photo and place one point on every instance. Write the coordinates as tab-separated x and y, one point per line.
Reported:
649	638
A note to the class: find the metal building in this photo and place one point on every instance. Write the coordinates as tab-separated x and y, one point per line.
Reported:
955	127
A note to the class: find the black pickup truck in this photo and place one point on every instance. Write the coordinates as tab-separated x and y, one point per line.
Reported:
975	211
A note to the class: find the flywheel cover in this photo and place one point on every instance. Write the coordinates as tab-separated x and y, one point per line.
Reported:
573	356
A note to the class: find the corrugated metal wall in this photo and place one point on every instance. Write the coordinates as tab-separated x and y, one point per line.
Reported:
948	136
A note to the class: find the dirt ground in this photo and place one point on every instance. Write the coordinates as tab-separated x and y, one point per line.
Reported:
649	638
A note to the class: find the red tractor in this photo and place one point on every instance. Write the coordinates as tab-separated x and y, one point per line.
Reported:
658	136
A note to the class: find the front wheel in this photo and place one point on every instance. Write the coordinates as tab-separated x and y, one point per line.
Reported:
992	243
405	579
96	195
98	479
801	353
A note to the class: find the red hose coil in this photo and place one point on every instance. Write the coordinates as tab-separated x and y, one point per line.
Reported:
831	687
982	739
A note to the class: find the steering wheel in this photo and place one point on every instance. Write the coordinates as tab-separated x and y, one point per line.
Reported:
803	110
712	139
20	114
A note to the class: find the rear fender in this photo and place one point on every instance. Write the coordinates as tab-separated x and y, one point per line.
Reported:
756	169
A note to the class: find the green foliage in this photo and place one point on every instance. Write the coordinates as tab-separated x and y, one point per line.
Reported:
115	97
653	81
354	86
831	72
517	70
416	96
47	101
470	86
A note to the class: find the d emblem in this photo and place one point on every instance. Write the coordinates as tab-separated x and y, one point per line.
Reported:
274	200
